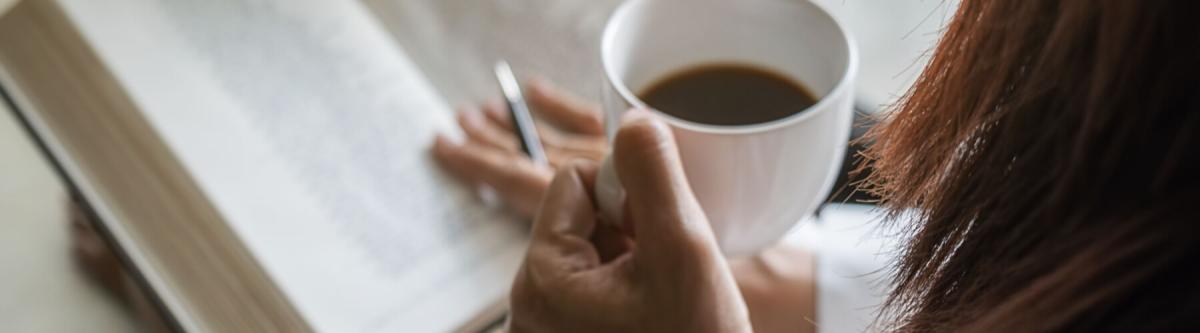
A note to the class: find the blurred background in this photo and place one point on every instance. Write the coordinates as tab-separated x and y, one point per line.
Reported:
41	289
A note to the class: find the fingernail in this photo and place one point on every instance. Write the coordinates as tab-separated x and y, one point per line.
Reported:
439	141
494	103
541	87
537	83
469	117
495	111
468	110
439	144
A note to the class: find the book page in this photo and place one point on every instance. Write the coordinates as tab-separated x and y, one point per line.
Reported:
456	42
308	129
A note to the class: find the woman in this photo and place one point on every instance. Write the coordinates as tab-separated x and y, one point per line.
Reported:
1047	153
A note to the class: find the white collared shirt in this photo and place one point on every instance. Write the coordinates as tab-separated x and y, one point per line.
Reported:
852	255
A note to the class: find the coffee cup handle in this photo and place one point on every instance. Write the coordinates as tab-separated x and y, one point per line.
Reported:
610	196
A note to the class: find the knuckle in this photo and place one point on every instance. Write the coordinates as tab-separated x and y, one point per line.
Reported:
505	174
505	168
564	170
593	119
694	255
698	245
689	236
543	274
563	173
526	303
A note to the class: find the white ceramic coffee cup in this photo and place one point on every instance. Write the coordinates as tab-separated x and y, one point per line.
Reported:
756	181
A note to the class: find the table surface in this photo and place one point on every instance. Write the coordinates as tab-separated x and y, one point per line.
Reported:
42	291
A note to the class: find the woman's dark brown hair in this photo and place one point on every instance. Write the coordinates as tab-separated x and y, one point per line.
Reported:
1049	153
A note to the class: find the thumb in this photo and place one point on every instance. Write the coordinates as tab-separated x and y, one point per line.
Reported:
666	218
559	239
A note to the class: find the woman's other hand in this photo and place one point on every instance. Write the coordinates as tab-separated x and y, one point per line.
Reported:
779	286
670	276
491	154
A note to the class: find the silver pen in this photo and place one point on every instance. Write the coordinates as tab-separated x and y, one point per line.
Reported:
522	121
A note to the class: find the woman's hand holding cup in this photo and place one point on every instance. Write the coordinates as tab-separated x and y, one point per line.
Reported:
670	276
490	156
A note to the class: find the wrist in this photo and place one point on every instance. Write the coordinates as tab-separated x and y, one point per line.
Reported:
779	288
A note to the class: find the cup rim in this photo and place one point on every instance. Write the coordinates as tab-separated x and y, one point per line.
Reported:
844	82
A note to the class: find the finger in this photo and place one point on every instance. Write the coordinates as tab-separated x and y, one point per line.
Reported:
479	129
560	147
563	271
560	236
518	181
610	242
564	109
665	215
586	145
445	153
497	113
558	155
553	143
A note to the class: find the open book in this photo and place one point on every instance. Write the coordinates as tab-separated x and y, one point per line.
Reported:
262	163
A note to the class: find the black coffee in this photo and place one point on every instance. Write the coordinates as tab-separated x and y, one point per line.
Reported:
727	95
